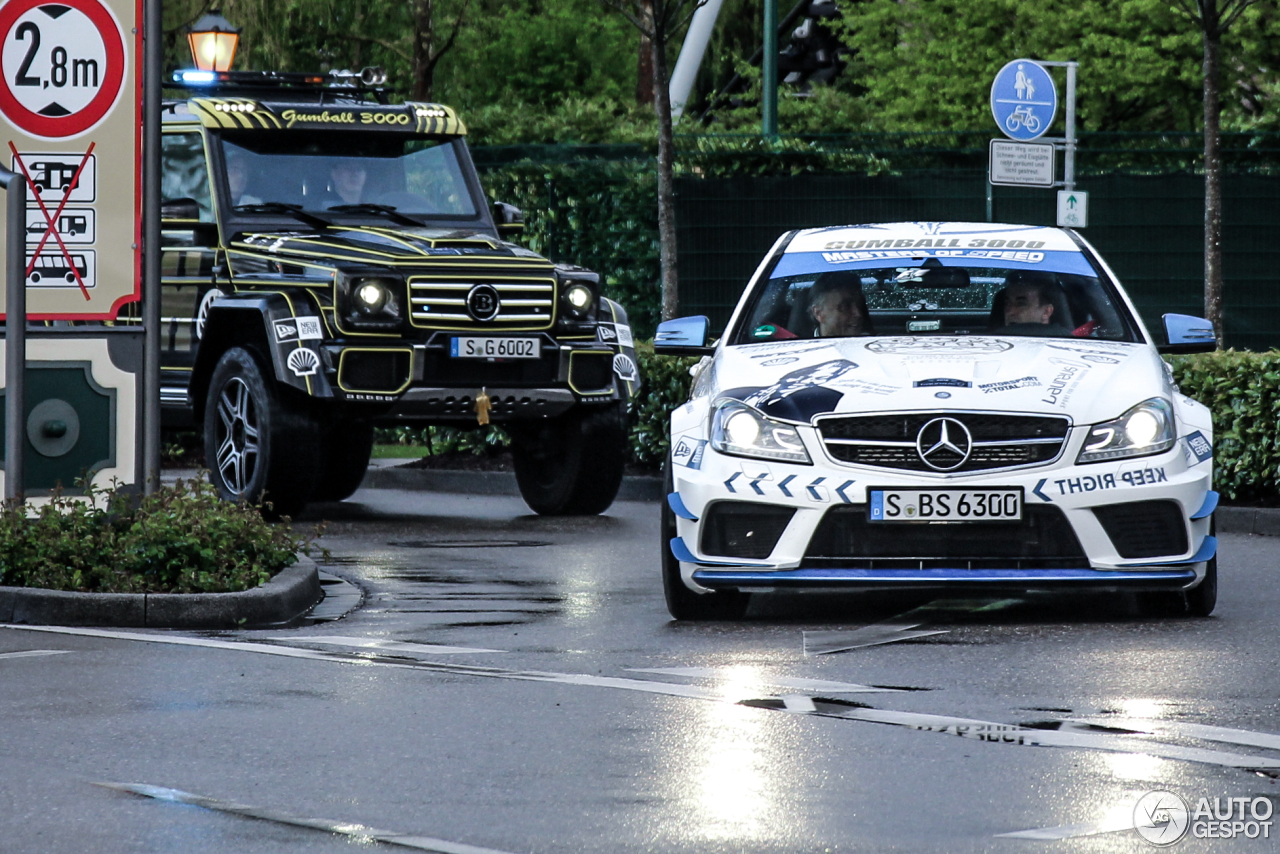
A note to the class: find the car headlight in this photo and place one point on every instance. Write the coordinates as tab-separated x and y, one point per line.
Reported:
578	300
740	430
371	302
1146	429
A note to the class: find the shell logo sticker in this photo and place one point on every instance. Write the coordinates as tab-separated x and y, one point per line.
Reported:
625	368
303	362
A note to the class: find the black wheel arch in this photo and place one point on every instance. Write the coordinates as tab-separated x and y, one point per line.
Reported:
249	320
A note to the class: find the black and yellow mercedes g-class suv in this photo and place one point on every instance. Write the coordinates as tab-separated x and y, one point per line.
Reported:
331	264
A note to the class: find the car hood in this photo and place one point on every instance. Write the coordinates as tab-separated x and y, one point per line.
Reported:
382	245
1087	380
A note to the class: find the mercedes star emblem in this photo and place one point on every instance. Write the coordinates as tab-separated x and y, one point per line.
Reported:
944	444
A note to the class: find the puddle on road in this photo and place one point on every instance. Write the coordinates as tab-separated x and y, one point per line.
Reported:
469	544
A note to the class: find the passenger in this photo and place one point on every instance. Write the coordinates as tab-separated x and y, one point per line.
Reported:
347	178
838	306
1029	299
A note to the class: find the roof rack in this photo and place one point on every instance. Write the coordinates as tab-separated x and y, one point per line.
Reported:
367	81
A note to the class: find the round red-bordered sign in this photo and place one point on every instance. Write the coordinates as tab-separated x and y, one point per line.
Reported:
29	53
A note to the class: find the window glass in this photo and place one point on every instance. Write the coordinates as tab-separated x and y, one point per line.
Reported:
932	299
184	173
321	173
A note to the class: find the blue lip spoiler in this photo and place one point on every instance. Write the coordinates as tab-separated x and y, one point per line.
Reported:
1170	578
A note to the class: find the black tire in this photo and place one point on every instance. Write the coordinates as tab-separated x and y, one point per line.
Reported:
1203	598
259	443
683	603
347	448
572	465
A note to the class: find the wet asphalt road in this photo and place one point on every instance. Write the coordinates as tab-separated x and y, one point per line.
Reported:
497	689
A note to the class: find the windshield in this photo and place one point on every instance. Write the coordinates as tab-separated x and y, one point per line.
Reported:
931	299
321	172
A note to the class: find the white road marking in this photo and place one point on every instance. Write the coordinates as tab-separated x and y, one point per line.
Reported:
389	646
827	642
358	832
34	653
1188	730
1071	831
821	685
988	731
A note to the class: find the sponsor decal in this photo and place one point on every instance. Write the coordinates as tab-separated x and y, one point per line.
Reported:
625	337
780	360
1057	394
349	117
625	368
801	394
202	313
1101	360
1010	385
935	345
1200	447
761	350
893	254
607	332
942	381
688	452
303	362
1095	483
934	243
298	329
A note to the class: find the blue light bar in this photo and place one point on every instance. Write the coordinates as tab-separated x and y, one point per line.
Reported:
194	77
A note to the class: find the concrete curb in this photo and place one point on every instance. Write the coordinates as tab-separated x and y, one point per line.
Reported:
290	593
634	488
1264	521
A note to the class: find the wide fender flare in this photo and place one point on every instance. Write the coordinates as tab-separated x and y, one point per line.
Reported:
615	331
285	330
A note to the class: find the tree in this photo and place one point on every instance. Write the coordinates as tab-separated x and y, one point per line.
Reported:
429	46
1214	18
659	21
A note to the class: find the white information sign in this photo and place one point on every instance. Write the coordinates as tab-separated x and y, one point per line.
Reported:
1073	209
1021	164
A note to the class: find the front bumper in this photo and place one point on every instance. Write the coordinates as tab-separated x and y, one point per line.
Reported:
1078	499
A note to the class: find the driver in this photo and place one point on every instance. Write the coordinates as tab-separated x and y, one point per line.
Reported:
347	178
838	306
1028	300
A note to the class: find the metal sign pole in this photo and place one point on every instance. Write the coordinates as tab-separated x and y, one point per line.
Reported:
1069	161
153	58
769	68
15	333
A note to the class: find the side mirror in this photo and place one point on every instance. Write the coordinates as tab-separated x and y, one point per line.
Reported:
183	209
684	336
508	218
1187	334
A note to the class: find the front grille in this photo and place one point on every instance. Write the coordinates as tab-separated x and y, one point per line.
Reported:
1043	539
742	529
440	302
998	441
1144	528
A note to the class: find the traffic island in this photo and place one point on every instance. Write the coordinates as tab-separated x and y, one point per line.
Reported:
286	596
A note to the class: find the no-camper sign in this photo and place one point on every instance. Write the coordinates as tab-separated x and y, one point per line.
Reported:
69	95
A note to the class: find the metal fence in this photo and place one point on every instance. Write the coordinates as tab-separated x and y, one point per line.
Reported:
1150	228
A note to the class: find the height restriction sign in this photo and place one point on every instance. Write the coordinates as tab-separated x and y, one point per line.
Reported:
69	93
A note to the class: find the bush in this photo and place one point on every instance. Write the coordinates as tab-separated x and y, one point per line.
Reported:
481	441
664	385
1243	392
181	539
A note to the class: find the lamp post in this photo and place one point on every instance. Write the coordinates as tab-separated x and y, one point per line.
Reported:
213	40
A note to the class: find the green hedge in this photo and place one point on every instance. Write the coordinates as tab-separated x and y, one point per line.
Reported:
1243	392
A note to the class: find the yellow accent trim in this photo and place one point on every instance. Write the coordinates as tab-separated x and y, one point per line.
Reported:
343	356
598	392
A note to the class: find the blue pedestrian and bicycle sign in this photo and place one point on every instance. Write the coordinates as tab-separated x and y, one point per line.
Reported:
1023	100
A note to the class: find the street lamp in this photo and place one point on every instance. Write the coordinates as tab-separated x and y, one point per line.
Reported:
213	42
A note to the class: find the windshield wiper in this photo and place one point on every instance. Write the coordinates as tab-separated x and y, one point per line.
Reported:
370	208
294	211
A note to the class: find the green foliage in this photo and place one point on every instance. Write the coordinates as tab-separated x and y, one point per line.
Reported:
573	120
480	441
1243	392
181	539
664	385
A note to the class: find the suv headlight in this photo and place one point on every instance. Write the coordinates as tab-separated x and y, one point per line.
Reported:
740	430
578	300
1146	429
372	302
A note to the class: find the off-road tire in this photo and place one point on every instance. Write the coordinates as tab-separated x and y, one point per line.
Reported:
345	454
572	465
260	443
683	603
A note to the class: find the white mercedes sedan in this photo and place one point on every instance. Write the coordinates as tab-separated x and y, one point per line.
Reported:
964	406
